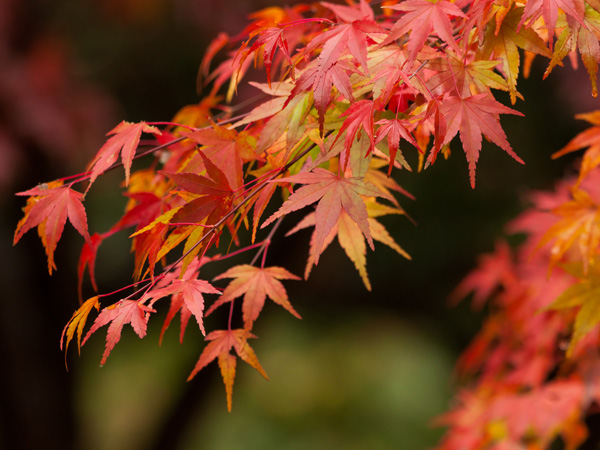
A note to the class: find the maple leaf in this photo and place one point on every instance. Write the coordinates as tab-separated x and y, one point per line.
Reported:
88	258
214	191
255	284
77	323
457	75
549	9
474	116
351	238
493	270
584	294
421	18
116	316
543	410
219	346
320	79
226	149
580	35
351	37
359	114
579	222
48	210
587	138
334	193
352	13
125	141
394	130
270	107
186	293
503	42
270	39
148	240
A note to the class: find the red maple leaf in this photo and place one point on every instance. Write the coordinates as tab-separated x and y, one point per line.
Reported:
270	39
353	13
226	149
394	130
474	116
220	343
421	18
334	193
359	114
186	294
87	258
124	311
255	284
125	141
48	210
351	37
215	194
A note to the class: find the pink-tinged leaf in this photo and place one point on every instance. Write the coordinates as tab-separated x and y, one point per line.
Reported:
351	239
116	316
219	345
359	115
191	292
549	9
334	193
125	141
421	18
320	80
493	271
350	14
351	37
474	116
394	130
255	284
49	212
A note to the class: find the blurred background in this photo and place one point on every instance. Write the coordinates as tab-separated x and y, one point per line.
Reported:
361	370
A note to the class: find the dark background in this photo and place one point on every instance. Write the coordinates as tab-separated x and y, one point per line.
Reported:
361	370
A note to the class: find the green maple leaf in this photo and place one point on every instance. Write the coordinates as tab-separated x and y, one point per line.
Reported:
584	294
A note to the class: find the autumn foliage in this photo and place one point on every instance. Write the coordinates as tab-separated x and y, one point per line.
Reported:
350	91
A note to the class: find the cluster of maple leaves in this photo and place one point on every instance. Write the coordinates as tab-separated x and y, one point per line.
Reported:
534	368
350	90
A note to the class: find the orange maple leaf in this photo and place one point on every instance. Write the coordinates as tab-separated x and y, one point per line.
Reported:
48	209
588	138
77	323
579	223
219	346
